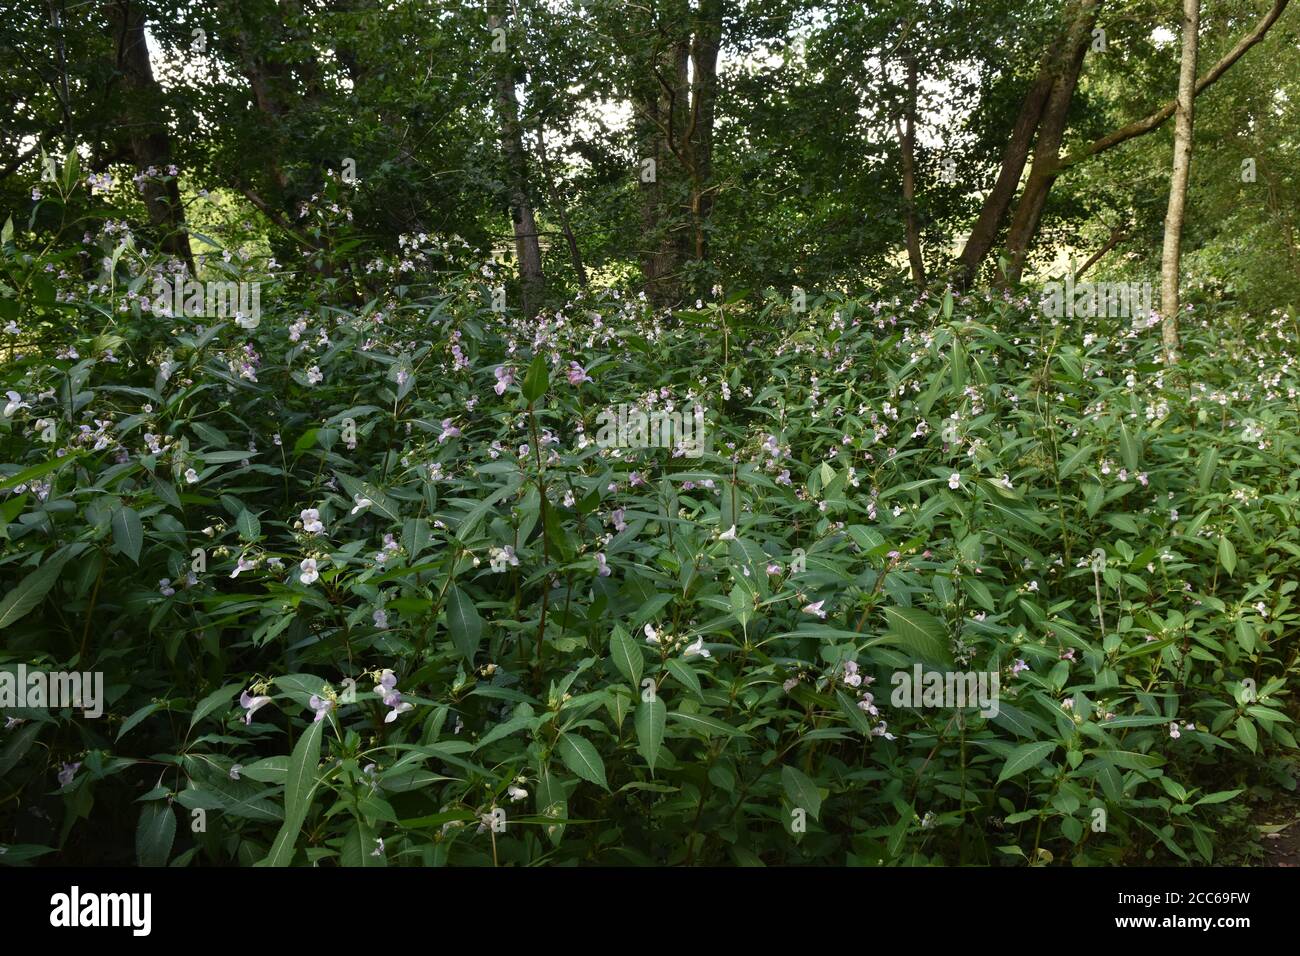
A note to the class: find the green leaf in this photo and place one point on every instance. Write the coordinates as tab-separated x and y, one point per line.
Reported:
1205	470
19	742
464	623
1129	759
581	757
250	528
627	656
552	802
651	717
1227	555
299	787
361	848
537	380
216	700
802	791
1223	796
24	598
155	833
1128	448
1025	757
128	532
135	718
1246	731
919	633
684	674
36	471
709	726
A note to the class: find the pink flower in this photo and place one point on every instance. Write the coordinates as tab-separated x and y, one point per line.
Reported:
448	431
577	374
387	689
815	608
505	378
252	705
322	706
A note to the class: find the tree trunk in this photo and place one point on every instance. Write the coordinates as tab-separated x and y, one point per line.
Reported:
1047	149
907	146
996	204
1117	235
662	106
146	133
1174	217
527	249
1154	121
973	255
704	97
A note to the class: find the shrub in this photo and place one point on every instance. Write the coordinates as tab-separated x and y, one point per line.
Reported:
366	587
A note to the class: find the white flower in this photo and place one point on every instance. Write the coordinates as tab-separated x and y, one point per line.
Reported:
728	535
191	476
314	375
1173	730
954	481
651	635
815	608
15	402
360	503
516	793
242	565
307	573
696	649
311	522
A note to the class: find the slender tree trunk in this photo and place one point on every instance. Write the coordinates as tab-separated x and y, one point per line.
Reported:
1176	214
146	133
996	204
1047	149
1154	121
664	106
973	255
1117	235
705	44
907	146
528	251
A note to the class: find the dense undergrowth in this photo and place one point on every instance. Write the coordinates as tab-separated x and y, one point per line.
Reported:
623	649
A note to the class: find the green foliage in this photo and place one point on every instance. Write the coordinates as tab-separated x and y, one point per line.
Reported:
486	636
